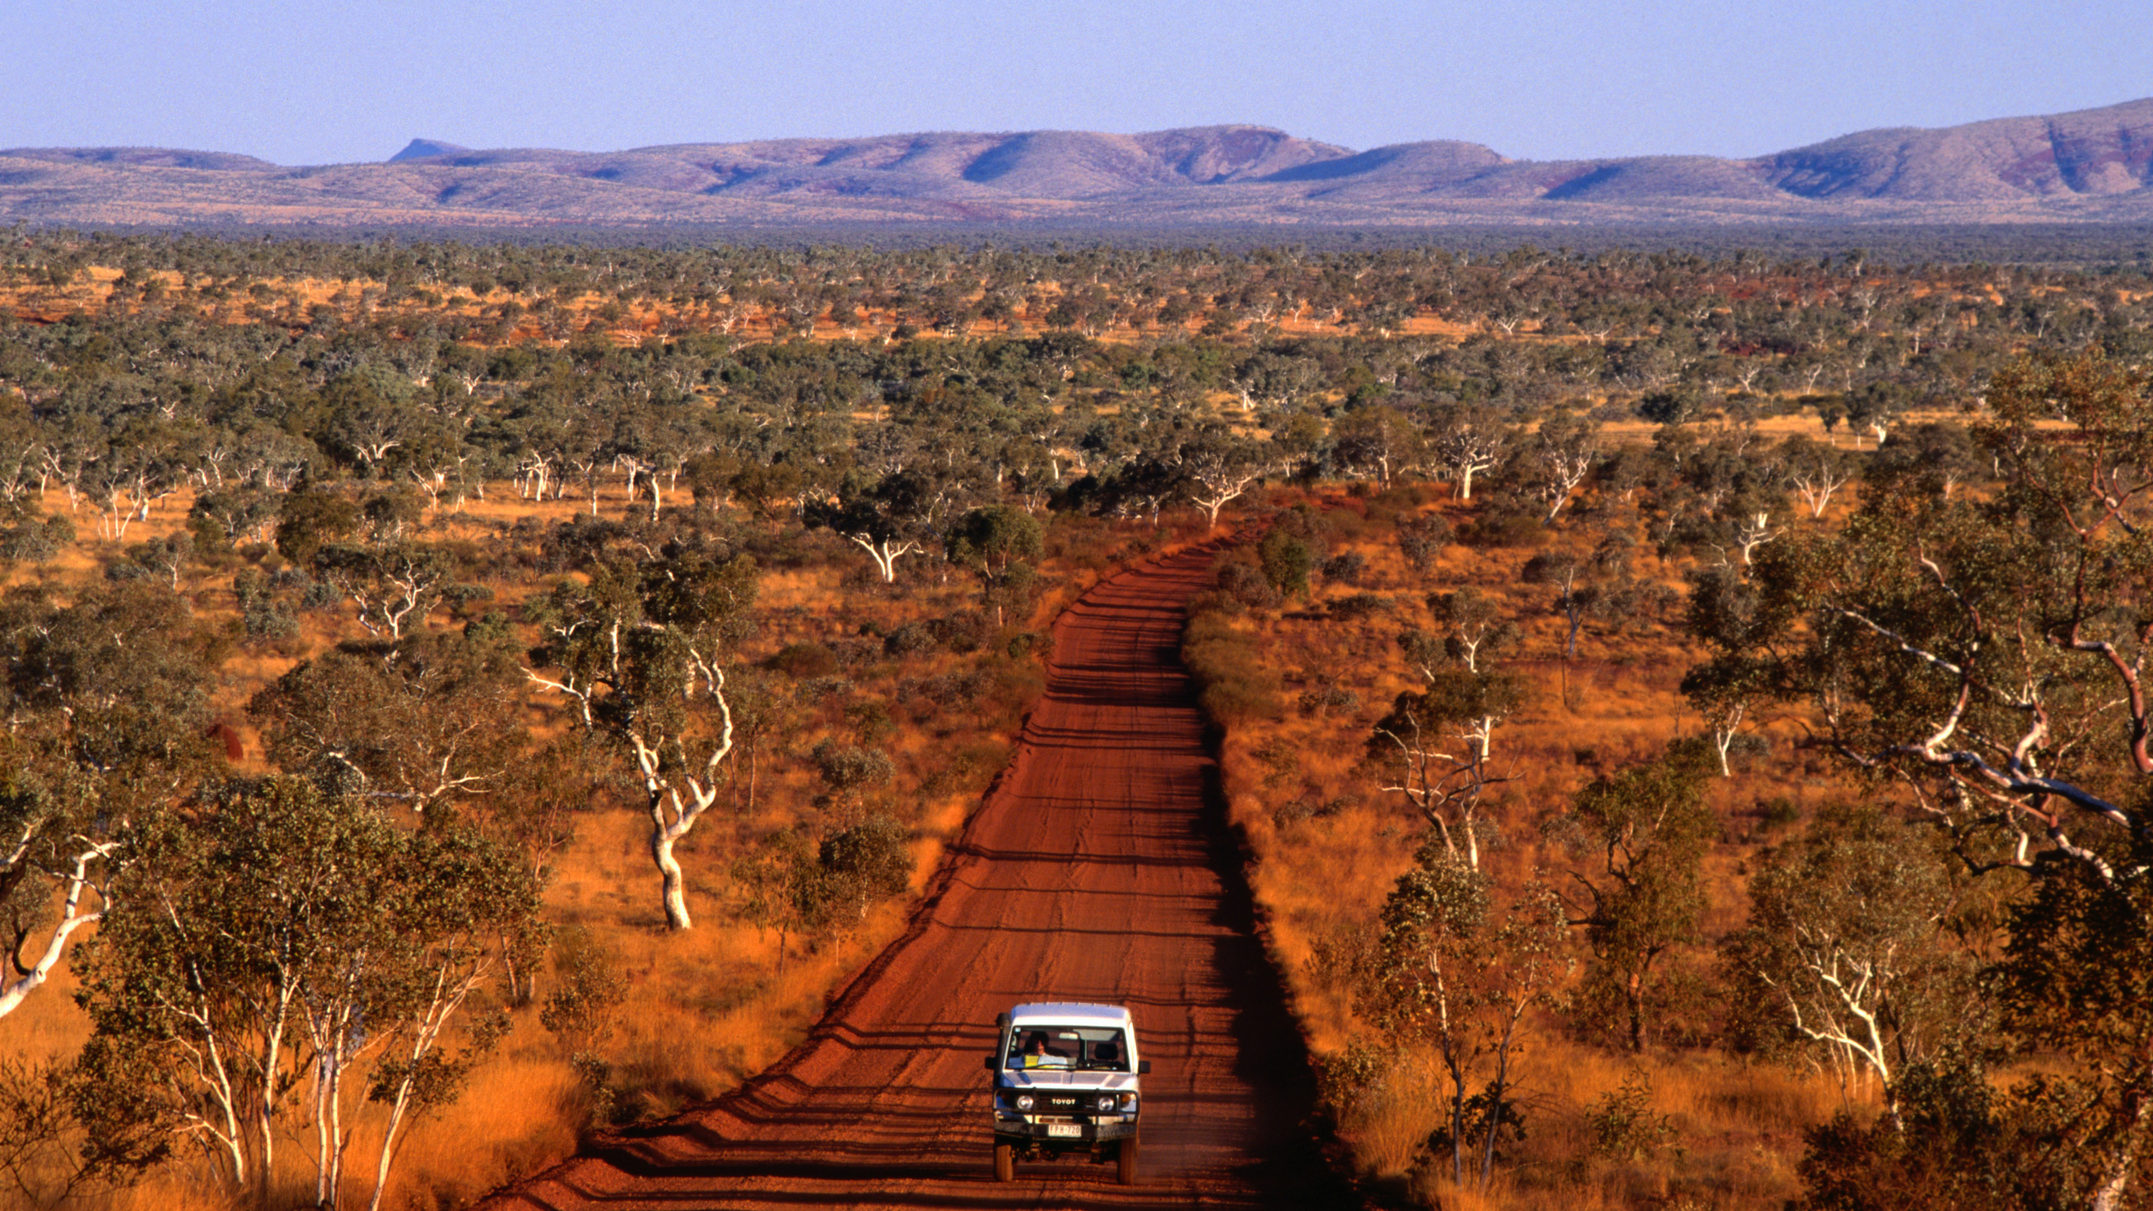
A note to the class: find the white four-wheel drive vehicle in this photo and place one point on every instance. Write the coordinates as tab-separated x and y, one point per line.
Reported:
1066	1081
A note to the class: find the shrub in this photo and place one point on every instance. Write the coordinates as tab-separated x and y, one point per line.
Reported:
1506	524
1623	1125
866	861
1357	605
1287	561
909	639
1346	568
1354	1084
1231	685
1421	539
803	660
1246	586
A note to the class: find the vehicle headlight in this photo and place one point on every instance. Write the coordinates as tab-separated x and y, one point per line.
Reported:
1024	1101
1107	1102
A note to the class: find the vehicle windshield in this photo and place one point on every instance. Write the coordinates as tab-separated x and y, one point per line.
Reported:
1081	1048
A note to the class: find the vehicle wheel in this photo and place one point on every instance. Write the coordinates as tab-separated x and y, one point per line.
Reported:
1005	1163
1125	1162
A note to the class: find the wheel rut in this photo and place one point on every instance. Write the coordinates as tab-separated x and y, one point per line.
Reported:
1099	868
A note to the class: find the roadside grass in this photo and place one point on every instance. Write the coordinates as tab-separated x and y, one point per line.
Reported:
704	1009
1329	844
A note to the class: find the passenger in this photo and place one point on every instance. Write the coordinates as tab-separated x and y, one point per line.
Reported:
1106	1055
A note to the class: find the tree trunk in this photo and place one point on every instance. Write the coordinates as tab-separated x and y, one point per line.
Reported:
673	884
1634	994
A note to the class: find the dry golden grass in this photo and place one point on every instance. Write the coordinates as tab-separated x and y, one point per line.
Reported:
1736	1125
704	1008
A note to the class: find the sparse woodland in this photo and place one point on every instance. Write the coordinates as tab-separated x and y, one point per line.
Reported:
1686	712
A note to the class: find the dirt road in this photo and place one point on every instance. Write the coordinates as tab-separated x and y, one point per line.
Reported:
1099	870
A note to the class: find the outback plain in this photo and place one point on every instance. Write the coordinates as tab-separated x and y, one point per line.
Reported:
1536	728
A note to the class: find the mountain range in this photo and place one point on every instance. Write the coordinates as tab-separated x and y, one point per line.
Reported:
2091	165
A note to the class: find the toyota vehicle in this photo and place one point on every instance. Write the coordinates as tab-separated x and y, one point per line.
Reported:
1066	1082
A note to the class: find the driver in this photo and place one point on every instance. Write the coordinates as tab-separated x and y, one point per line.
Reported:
1038	1055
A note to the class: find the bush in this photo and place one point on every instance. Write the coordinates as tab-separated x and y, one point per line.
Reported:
1246	586
909	639
1354	1084
1955	1148
1623	1125
1346	568
1358	605
35	540
1287	561
964	632
1231	685
1507	524
803	660
587	985
865	862
1421	539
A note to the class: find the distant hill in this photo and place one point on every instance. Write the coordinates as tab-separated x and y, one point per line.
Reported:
2094	165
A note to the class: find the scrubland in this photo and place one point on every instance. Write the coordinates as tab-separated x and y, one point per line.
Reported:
1742	453
1297	682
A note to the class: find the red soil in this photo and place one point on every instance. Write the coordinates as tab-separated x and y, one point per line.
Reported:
1098	869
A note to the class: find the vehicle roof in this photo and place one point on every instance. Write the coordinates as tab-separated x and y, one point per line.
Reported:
1071	1013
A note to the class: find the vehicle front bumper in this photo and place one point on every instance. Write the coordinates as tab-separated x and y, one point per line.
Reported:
1016	1128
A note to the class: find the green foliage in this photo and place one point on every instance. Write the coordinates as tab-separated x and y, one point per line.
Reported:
310	517
1960	1145
1622	1123
996	543
288	935
1858	916
865	862
1639	835
1421	539
1286	561
579	1010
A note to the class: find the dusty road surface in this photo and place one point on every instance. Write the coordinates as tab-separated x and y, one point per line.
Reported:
1098	871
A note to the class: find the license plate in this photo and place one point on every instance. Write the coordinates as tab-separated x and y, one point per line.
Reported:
1071	1130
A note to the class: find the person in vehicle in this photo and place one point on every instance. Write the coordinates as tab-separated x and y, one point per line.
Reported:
1038	1055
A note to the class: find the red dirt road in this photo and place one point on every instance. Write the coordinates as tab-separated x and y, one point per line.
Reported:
1098	870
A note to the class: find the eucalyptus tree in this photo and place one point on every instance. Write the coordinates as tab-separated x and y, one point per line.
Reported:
1377	440
640	652
1467	441
1989	657
1557	458
106	709
1433	747
1452	970
274	963
392	585
997	544
901	514
1219	466
1850	948
1816	470
430	721
1639	837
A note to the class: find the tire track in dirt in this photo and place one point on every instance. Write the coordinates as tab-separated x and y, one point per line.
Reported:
1099	868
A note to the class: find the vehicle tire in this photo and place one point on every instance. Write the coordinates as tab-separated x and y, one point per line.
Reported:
1125	1162
1005	1163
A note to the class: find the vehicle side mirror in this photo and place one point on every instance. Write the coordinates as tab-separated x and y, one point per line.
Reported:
990	1063
1143	1066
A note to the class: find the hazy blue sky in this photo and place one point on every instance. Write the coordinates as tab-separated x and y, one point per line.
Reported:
322	81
